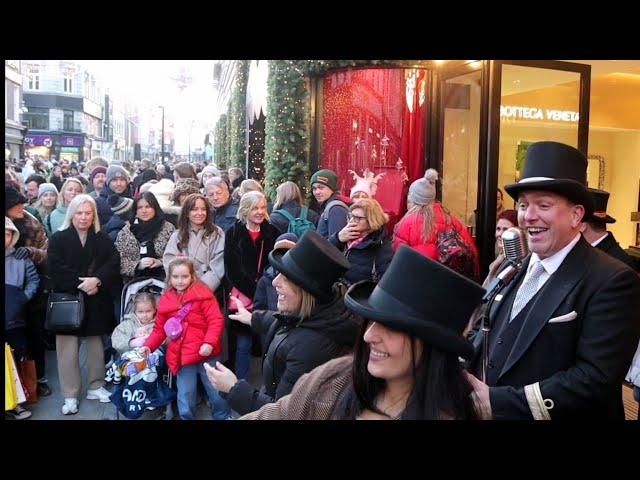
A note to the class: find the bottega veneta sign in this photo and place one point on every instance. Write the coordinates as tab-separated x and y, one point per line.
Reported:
533	113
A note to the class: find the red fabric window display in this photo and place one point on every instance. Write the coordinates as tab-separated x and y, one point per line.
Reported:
375	118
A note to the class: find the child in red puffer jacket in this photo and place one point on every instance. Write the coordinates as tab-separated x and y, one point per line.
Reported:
200	341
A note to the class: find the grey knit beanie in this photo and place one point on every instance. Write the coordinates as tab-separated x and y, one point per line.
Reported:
116	170
46	187
423	191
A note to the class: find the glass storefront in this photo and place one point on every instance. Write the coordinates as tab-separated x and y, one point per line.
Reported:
375	119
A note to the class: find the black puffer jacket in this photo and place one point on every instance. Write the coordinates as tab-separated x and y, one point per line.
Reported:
376	247
295	348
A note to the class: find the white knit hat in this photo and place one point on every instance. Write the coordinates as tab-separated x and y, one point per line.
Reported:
163	190
423	190
361	185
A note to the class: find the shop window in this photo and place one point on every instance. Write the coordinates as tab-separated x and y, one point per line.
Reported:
537	104
375	119
37	118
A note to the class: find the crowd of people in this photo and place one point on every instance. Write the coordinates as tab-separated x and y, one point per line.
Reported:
352	320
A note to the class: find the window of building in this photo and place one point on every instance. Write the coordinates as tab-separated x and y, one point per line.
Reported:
37	118
68	120
68	85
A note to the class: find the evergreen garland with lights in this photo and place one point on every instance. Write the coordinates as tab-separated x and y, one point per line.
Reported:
220	142
238	116
287	126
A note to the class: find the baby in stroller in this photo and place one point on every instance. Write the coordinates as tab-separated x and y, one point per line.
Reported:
136	326
138	316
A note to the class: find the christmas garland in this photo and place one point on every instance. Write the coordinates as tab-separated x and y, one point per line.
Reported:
238	116
220	142
287	126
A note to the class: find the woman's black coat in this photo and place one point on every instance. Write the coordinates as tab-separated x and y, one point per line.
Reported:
241	258
294	348
68	260
375	248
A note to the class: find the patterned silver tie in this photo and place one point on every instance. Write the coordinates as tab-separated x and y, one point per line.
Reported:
527	290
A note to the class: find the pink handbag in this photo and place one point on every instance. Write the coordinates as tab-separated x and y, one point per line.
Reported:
246	301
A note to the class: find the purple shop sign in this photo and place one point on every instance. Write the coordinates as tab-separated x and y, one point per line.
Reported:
38	141
68	141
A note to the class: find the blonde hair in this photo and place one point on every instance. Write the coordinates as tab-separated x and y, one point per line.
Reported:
63	190
73	208
177	262
308	303
428	218
245	187
287	192
249	201
373	211
144	297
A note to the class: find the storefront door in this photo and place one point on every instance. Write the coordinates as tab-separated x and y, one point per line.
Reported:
489	113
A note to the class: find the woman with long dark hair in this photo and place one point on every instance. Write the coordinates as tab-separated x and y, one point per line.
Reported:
405	365
142	243
198	238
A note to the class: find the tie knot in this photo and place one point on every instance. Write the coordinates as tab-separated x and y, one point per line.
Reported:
537	269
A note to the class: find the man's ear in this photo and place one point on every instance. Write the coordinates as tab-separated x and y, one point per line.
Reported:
578	216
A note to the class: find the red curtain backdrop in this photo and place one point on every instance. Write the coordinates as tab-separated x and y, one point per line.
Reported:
367	123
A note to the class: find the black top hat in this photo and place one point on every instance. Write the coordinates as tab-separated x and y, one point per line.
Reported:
313	264
600	200
421	297
557	168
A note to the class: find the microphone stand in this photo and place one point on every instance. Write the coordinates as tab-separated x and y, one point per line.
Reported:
486	312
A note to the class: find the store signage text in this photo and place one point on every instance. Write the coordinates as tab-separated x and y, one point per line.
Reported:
532	113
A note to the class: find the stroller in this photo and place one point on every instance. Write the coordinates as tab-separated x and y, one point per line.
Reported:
158	365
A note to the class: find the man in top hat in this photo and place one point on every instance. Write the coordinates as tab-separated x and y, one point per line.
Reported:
565	329
594	229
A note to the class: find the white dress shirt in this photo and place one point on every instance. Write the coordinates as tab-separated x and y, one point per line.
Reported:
600	239
550	264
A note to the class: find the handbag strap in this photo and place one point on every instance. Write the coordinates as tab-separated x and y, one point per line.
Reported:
184	311
258	275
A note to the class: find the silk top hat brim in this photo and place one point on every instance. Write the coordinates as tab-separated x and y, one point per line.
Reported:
313	264
363	298
570	189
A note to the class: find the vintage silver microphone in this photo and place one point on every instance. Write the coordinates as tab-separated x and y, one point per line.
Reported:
514	241
515	245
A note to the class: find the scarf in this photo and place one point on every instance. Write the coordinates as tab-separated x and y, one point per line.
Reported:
147	231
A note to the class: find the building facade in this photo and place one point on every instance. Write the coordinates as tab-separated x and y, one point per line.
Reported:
14	130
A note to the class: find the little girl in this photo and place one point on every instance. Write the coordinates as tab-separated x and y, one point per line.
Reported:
137	326
200	341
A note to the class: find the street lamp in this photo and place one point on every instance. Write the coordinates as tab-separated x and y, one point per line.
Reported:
190	129
162	138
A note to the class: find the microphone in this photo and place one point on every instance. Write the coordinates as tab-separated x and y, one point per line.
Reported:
515	249
515	245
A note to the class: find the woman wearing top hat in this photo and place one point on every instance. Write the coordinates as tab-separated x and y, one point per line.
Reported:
311	327
406	362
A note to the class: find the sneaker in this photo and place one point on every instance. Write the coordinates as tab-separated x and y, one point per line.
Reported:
70	406
44	390
101	394
18	413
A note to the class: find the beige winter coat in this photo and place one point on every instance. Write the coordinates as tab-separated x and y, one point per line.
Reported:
313	396
207	254
125	332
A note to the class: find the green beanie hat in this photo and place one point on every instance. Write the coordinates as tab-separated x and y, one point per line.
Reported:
326	177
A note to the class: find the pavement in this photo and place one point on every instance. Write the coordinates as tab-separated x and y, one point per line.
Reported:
49	408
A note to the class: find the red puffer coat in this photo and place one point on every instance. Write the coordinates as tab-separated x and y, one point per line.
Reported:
203	324
456	251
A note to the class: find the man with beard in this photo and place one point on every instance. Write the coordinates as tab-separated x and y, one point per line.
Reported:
32	244
117	183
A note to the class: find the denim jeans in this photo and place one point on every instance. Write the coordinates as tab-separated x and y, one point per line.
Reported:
243	356
187	383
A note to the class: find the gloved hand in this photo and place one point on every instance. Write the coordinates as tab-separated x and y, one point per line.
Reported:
22	253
